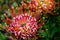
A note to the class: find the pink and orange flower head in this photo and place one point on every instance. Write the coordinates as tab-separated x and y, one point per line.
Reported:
23	26
45	4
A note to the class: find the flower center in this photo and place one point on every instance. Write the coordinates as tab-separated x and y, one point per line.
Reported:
22	25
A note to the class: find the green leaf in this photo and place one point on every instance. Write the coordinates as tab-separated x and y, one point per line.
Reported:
52	24
1	27
2	36
1	1
29	0
42	39
20	0
14	4
44	34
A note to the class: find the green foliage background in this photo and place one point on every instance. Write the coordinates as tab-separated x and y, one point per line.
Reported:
51	27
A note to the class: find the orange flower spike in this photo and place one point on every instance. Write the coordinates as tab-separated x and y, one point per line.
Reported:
12	11
24	7
17	7
8	21
31	13
20	10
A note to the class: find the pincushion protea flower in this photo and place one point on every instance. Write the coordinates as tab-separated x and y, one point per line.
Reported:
23	26
47	4
33	5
